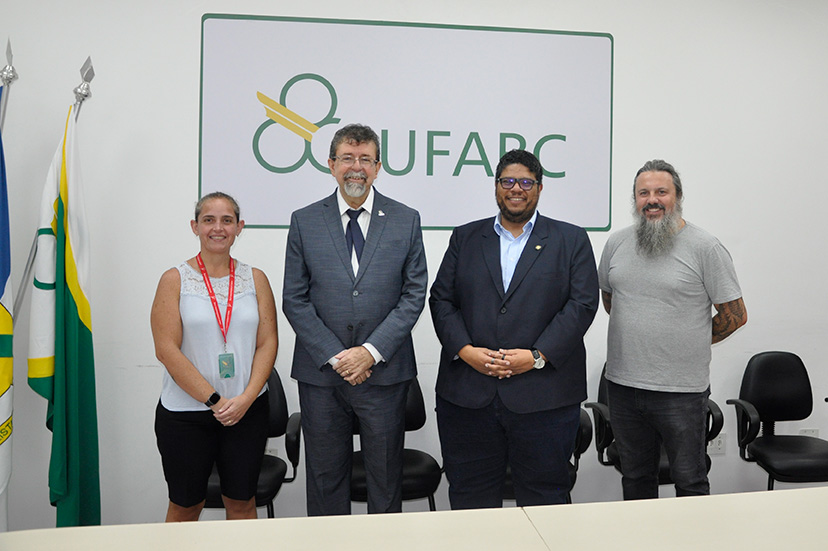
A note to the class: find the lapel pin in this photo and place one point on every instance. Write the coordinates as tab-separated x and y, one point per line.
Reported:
538	247
380	213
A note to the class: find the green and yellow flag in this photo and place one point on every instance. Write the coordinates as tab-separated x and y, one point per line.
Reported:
61	360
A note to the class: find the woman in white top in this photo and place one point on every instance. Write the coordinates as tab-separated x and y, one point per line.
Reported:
214	326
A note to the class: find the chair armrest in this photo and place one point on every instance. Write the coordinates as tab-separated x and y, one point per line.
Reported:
293	437
715	420
747	424
603	429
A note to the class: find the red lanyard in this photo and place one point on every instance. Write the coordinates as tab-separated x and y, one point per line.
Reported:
225	327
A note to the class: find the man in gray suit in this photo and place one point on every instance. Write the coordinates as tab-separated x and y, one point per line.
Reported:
355	283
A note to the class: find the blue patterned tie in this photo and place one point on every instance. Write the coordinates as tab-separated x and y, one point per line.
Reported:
353	233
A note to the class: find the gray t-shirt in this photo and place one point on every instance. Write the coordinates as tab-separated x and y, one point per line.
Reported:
660	326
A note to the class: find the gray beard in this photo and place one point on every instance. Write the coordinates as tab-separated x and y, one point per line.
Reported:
654	238
353	189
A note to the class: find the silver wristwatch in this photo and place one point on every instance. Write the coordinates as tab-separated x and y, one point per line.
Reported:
539	361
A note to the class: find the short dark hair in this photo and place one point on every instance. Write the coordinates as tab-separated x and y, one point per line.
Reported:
217	195
354	133
520	157
659	165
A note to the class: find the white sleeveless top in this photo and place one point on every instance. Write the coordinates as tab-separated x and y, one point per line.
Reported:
202	342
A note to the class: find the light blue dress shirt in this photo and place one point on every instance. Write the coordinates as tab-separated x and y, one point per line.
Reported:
511	247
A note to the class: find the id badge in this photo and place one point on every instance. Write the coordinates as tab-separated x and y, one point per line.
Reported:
227	366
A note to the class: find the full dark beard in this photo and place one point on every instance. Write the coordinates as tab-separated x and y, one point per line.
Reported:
514	218
656	237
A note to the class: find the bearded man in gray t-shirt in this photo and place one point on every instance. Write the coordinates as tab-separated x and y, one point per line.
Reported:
659	279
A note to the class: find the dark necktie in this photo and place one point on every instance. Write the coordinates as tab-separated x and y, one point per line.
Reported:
353	233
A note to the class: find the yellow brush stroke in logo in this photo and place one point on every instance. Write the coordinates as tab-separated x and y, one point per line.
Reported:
292	121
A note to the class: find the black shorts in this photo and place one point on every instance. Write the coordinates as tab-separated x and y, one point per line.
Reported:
190	443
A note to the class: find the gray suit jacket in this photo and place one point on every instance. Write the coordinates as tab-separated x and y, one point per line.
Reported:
331	310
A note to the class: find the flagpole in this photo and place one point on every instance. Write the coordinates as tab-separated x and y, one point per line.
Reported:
22	288
82	92
7	75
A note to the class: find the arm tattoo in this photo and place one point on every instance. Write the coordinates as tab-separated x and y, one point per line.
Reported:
730	317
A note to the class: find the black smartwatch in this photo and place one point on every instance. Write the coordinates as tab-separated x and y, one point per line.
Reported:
213	399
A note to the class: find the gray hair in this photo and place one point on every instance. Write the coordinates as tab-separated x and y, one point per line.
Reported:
356	134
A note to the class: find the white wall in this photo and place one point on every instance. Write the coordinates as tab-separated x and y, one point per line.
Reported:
733	93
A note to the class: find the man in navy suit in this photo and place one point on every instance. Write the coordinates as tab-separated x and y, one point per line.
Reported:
511	303
355	282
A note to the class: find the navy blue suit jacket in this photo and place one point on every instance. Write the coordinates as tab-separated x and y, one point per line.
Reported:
331	309
550	304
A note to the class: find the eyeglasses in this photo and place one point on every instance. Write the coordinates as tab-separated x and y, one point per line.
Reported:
348	160
524	183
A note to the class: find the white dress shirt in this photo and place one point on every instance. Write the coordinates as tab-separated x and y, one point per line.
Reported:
364	220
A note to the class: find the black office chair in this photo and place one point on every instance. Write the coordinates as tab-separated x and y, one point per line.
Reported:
421	472
582	441
775	387
274	470
605	439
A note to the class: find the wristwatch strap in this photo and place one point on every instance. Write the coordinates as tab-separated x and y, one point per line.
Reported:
213	399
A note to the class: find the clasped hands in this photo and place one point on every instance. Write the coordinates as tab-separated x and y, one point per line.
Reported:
501	363
230	411
354	365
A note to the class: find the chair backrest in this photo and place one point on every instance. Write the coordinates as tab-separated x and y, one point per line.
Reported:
584	437
777	384
415	413
277	422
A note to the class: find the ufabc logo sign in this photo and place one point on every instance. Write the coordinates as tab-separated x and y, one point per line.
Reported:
278	113
473	152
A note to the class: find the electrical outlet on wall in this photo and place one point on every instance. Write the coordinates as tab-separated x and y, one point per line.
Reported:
809	432
717	445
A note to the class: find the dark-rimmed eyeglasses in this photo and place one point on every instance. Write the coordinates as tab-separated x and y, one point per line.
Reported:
524	183
348	160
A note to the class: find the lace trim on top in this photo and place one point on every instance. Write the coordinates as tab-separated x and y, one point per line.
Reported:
192	283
